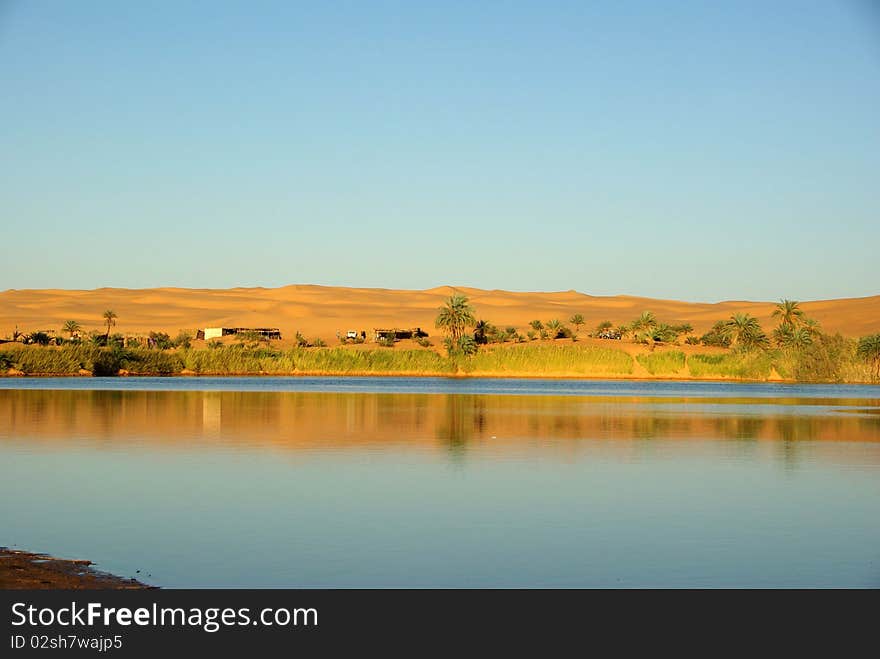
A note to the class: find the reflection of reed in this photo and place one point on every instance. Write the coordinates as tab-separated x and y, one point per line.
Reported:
310	419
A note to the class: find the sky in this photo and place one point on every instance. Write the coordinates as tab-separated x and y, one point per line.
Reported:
680	149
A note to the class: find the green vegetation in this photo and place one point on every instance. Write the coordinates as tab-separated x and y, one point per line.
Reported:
455	317
801	351
868	351
738	364
72	328
744	331
667	362
109	317
551	359
232	360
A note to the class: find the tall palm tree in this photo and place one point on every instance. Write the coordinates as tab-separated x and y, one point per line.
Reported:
788	312
745	331
72	327
455	316
577	320
109	318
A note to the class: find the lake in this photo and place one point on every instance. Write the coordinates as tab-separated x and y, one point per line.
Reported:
411	482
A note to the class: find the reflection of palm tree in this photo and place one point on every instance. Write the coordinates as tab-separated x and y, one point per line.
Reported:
457	427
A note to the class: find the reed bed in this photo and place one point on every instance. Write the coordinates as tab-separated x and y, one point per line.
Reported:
668	362
550	359
741	365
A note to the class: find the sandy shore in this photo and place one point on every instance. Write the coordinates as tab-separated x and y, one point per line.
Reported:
322	311
28	571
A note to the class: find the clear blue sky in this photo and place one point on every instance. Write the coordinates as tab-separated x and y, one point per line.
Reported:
683	149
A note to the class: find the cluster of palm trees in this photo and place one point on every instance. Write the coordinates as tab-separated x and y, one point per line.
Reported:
73	328
795	329
455	318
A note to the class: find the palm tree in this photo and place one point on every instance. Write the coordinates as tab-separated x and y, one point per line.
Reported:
643	327
554	327
481	330
812	326
577	320
109	318
455	316
787	336
869	351
789	312
645	322
72	327
601	327
745	330
536	325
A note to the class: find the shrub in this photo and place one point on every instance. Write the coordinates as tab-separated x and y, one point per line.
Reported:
161	340
183	340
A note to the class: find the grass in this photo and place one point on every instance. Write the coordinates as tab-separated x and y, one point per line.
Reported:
833	359
668	362
742	365
340	360
550	359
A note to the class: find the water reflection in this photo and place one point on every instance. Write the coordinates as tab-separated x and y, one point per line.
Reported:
377	489
303	420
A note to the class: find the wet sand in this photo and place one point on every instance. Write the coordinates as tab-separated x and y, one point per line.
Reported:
23	570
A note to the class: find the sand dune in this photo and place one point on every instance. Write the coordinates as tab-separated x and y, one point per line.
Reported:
324	310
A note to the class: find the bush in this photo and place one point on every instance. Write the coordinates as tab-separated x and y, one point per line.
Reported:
39	338
183	340
161	340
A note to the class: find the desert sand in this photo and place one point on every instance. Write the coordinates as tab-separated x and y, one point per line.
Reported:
324	310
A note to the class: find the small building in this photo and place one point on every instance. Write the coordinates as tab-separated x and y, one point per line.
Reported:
218	332
396	334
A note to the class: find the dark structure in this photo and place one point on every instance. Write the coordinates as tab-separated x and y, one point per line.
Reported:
396	334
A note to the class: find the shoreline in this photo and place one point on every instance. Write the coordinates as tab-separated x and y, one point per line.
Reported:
25	570
453	376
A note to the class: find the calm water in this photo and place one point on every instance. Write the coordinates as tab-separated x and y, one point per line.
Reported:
441	482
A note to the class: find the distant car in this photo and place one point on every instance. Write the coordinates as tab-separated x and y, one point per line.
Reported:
351	334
